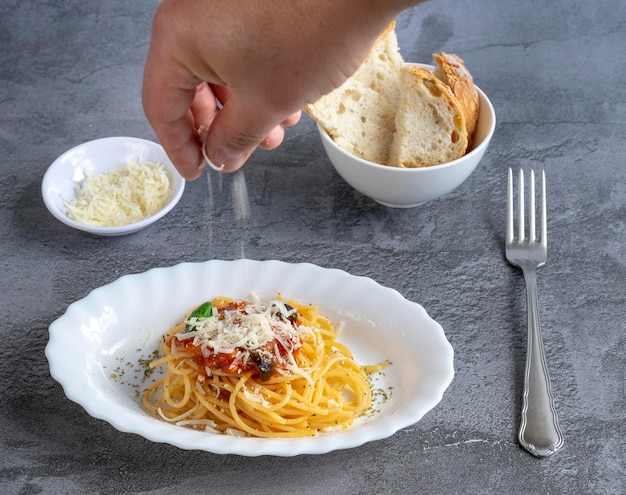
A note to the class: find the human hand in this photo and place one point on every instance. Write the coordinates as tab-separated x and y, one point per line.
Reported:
262	61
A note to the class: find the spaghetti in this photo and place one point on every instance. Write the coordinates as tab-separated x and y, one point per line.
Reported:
272	369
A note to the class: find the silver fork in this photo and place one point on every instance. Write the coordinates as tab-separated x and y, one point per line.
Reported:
539	432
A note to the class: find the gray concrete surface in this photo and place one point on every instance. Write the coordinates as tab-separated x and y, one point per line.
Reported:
71	71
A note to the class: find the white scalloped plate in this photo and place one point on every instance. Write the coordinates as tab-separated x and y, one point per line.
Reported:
95	348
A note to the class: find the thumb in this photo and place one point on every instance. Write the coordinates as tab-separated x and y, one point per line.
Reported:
235	133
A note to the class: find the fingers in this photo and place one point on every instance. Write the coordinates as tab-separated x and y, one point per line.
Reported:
168	95
179	133
228	143
293	119
275	138
168	111
276	135
239	127
204	106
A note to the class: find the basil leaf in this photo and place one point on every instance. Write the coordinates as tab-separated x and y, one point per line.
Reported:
203	311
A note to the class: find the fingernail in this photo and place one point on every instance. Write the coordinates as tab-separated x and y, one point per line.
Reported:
207	160
228	159
219	168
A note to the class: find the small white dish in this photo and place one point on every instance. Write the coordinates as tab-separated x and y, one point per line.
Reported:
100	156
96	347
409	187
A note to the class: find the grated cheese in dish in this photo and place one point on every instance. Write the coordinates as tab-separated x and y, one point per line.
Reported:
121	196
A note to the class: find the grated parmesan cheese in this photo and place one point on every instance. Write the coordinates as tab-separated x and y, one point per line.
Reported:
240	331
122	196
256	396
249	328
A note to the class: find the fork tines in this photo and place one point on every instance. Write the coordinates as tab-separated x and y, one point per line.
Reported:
521	235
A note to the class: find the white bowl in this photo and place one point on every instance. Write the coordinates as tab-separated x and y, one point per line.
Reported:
409	187
100	156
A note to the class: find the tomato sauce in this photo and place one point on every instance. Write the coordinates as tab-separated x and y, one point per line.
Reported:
239	360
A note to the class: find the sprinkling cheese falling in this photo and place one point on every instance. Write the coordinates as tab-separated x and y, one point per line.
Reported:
122	196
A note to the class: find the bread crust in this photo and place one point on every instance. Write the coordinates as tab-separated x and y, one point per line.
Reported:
452	71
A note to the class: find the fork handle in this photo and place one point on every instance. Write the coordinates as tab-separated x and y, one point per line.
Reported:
539	432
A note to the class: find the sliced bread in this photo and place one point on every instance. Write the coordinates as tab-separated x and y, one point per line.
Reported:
400	114
452	71
358	119
359	115
379	71
429	124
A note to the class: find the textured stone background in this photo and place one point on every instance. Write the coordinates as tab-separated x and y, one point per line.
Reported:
71	71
